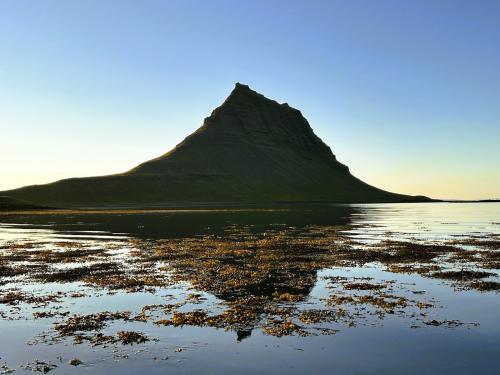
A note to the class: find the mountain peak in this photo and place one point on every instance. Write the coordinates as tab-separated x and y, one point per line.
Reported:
247	126
244	91
242	86
243	96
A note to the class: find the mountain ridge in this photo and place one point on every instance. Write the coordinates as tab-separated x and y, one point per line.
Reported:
250	149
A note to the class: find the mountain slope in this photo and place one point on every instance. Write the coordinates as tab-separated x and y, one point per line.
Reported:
11	204
250	149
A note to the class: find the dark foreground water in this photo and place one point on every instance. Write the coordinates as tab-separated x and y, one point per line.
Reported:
360	289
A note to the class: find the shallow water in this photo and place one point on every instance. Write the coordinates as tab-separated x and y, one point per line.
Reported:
370	341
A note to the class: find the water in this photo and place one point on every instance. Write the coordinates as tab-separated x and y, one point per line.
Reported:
369	340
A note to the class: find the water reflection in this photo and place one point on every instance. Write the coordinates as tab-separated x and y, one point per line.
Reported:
179	224
307	271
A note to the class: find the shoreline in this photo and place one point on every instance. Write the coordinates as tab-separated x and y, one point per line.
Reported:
195	208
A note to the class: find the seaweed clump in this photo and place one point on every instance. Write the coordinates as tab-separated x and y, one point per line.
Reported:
131	337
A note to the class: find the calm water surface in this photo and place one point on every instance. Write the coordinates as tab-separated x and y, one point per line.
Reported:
393	345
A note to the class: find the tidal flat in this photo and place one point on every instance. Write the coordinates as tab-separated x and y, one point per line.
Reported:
347	289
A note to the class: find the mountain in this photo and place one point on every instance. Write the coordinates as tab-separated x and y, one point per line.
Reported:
250	150
11	204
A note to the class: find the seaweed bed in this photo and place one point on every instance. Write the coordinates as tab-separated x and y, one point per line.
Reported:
259	281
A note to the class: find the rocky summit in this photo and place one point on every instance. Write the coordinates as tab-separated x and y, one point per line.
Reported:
250	150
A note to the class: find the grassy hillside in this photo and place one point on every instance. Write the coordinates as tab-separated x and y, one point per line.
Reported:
11	204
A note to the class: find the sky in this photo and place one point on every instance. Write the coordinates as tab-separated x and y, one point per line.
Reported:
406	93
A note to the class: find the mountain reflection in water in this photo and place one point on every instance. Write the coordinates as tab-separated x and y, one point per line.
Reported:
308	271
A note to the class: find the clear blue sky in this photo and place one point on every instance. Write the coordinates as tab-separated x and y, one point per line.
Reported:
407	93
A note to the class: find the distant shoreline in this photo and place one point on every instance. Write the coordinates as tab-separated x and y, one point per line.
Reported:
206	207
473	201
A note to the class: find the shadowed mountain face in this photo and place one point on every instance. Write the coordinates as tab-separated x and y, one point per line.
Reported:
250	150
9	204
